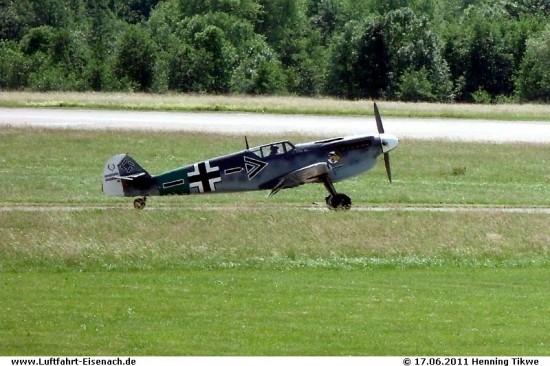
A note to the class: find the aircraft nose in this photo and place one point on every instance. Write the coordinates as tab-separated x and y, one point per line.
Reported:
389	142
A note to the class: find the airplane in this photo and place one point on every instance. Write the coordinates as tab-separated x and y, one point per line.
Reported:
274	166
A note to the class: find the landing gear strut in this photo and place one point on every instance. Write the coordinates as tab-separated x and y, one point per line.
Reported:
335	200
139	203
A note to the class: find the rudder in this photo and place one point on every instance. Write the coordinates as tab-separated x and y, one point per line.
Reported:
124	177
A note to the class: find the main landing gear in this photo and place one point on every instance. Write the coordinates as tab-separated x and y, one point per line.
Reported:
139	203
335	200
338	202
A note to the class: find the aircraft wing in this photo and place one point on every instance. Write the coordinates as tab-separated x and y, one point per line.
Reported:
309	174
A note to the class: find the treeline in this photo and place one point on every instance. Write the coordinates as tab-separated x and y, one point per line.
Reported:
417	50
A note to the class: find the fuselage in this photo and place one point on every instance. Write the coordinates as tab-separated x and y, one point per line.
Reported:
263	167
275	167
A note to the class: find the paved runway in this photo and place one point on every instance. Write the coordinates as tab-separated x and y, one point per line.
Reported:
254	123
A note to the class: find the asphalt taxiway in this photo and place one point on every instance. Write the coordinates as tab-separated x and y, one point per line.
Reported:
257	123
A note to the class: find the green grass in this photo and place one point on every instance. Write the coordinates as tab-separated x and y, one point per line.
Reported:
438	311
240	274
52	166
124	240
271	104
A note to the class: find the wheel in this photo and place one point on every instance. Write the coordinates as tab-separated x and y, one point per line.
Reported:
338	202
139	203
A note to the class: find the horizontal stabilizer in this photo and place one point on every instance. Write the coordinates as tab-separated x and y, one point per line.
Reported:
129	177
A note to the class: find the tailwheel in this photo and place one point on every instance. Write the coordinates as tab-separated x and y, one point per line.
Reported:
139	203
338	202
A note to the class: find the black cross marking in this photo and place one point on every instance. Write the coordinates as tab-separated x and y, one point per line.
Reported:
204	177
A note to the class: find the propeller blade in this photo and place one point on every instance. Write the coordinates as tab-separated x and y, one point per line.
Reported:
378	119
387	163
388	142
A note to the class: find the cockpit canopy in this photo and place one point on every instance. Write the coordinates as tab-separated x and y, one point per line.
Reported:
273	149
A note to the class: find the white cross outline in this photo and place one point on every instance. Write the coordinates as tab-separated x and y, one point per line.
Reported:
211	181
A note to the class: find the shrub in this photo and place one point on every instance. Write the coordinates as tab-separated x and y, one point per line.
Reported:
414	86
533	82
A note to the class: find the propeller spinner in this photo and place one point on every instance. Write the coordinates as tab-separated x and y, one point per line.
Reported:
389	142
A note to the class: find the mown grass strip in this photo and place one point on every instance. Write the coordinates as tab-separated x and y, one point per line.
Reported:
271	104
438	311
126	240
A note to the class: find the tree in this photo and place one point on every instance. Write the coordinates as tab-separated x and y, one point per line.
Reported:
277	18
415	86
491	65
369	59
323	15
132	11
397	49
135	58
371	69
102	33
16	18
519	8
40	39
483	55
13	66
259	71
242	9
358	62
56	59
53	13
341	78
287	30
204	60
533	82
413	46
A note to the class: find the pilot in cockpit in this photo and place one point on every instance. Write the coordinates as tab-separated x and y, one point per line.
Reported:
274	150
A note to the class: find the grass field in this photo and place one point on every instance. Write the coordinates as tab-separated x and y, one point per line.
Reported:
245	275
383	311
272	104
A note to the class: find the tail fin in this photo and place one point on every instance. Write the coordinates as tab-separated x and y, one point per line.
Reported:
124	177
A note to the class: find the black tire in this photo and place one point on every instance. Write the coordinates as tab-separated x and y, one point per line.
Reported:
139	203
338	202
